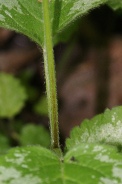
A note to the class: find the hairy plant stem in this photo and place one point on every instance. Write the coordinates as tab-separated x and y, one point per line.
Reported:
50	76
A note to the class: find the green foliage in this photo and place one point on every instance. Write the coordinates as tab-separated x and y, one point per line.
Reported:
12	96
103	128
34	135
115	4
41	106
31	165
86	163
4	144
66	34
93	164
26	16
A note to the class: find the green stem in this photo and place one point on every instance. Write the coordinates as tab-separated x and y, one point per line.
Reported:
50	76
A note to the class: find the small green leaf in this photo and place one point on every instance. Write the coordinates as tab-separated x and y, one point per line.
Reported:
87	164
34	135
103	128
26	16
12	96
41	106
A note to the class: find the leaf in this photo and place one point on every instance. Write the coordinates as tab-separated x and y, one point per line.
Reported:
115	4
26	16
34	135
87	164
31	165
103	128
12	96
41	106
93	164
67	33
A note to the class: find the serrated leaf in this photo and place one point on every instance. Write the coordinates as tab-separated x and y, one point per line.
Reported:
34	135
103	128
26	16
87	164
12	96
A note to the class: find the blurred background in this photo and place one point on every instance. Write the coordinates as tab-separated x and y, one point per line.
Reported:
89	78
